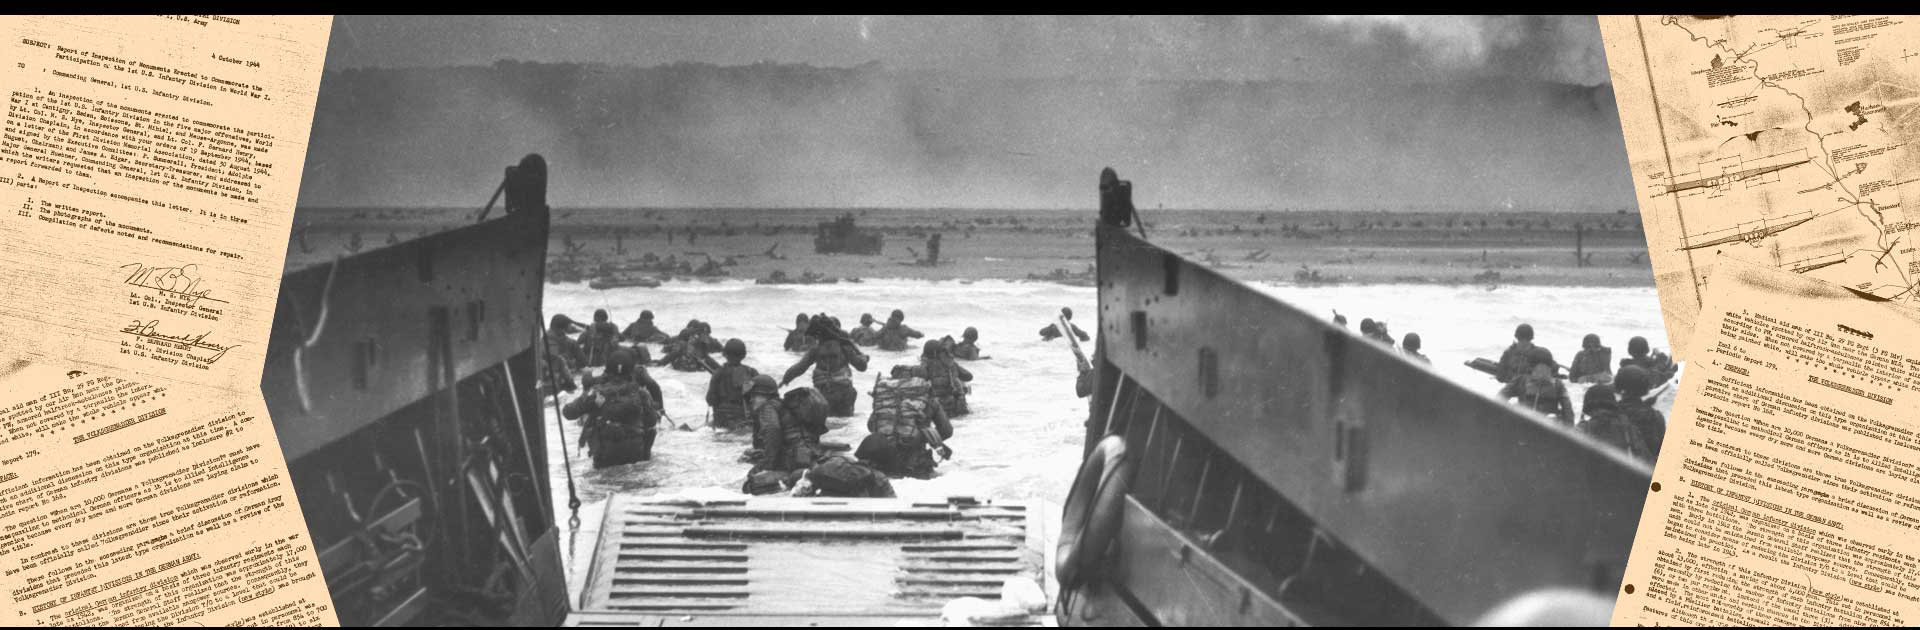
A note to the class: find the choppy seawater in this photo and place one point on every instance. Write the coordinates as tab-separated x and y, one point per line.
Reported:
1022	440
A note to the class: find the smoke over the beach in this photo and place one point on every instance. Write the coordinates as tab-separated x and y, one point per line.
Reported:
1002	111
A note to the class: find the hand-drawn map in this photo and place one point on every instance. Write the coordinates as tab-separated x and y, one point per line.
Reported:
1781	140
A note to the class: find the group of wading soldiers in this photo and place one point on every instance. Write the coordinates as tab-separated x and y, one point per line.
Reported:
1618	407
913	403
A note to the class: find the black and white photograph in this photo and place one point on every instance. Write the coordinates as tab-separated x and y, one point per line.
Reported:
969	320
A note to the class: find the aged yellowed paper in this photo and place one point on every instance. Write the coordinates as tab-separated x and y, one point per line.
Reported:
128	503
1780	140
148	171
1788	489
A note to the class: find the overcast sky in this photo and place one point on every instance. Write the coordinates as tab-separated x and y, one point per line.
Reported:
1396	48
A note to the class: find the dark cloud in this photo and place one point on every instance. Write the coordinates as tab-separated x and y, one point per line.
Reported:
994	111
1396	48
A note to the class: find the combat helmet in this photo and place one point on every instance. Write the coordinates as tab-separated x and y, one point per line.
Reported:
1632	381
621	362
764	384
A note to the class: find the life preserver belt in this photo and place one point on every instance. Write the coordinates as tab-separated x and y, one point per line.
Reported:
1091	516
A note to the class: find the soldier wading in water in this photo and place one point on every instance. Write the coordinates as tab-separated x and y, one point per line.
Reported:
833	359
622	414
948	379
723	389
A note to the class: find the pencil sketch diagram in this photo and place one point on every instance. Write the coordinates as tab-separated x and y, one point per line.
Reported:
1725	181
1797	44
1751	232
1822	261
1780	140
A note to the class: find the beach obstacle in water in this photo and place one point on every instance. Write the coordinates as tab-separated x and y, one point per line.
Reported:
1579	245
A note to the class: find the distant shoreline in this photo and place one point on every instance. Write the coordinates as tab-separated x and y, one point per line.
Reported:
1343	248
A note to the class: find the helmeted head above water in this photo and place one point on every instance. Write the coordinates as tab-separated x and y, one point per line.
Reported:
1066	312
560	323
599	315
897	316
822	327
932	349
1632	381
866	319
1411	342
1590	342
1523	332
621	362
735	350
764	385
646	315
1637	347
1367	326
800	320
1598	397
969	334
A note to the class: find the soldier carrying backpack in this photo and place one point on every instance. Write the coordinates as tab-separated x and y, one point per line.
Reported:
621	415
1540	389
948	379
910	423
600	339
840	476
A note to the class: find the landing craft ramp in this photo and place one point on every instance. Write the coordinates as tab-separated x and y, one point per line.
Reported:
793	561
400	381
1282	470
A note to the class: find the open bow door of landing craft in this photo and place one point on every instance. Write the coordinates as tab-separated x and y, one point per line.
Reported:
1272	468
402	384
785	561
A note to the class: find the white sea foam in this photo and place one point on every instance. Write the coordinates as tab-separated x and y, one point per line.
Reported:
1023	439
